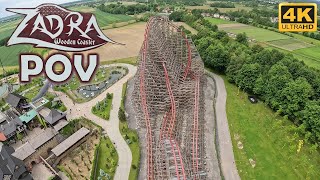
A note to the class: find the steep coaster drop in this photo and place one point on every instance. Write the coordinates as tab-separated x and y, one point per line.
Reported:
168	98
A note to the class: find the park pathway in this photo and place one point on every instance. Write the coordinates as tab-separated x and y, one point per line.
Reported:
111	127
228	165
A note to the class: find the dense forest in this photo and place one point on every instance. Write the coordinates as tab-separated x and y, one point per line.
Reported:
287	85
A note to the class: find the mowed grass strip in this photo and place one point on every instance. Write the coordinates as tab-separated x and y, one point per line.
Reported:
290	44
268	140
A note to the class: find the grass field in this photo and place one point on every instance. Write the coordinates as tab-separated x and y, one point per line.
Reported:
313	52
258	34
290	44
103	18
108	158
217	21
238	7
10	55
267	139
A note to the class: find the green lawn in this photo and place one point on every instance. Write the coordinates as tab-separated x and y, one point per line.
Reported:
108	157
219	21
271	141
103	108
130	60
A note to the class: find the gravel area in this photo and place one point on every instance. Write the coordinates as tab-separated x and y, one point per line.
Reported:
132	122
210	132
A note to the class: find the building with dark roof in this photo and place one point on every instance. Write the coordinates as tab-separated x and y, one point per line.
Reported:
10	126
17	101
12	168
52	116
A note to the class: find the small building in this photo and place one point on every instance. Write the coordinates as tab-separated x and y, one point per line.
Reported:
274	19
18	102
27	117
73	141
216	15
11	168
10	128
52	116
40	145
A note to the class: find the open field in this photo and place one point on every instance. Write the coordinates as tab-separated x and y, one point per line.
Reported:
103	18
252	32
131	36
269	140
311	62
311	52
258	34
217	21
238	7
10	55
290	44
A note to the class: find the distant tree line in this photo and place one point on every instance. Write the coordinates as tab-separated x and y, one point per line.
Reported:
222	5
124	9
285	84
185	2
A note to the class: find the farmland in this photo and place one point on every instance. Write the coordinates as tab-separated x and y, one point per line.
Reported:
130	36
290	44
238	7
104	19
258	34
302	48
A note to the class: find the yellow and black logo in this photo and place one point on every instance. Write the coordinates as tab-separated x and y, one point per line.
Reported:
297	17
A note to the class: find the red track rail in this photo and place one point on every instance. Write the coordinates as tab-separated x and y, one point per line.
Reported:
171	127
150	169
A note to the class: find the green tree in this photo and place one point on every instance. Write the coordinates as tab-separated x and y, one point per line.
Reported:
176	16
217	57
121	114
294	96
311	119
242	38
248	75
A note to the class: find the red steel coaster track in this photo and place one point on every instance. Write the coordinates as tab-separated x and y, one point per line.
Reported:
167	98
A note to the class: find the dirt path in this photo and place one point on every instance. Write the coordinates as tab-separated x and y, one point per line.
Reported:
228	166
112	126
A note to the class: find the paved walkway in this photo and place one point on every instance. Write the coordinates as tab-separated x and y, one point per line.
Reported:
228	166
112	126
